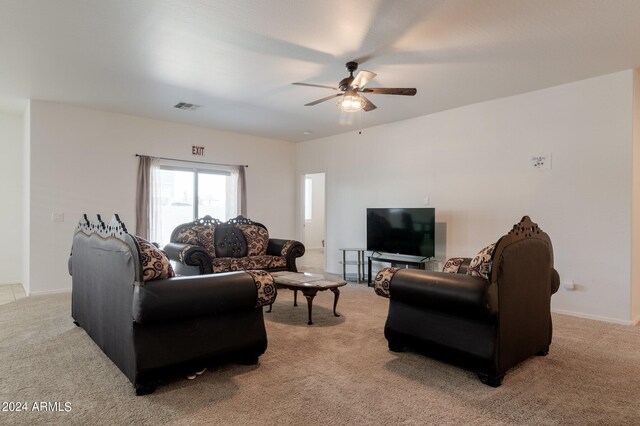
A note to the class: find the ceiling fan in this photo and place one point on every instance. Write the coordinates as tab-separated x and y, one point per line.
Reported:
352	88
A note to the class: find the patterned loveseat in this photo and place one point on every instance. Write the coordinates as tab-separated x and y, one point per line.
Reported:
208	245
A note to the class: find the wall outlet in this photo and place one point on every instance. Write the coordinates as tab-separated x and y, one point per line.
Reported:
569	285
57	217
426	201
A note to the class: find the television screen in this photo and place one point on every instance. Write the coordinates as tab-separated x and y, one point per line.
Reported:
402	231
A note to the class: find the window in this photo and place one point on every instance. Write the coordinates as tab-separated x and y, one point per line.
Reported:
308	195
183	194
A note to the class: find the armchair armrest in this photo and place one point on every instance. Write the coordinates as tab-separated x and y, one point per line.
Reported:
189	297
458	294
289	249
190	255
555	281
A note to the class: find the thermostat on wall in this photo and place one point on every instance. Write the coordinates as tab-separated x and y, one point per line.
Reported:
540	162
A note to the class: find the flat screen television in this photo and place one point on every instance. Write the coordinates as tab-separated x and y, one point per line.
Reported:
406	231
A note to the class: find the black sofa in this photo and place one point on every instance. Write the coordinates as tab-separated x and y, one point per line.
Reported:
208	245
489	315
155	328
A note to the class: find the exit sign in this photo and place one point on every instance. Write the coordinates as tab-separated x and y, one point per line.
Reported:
197	150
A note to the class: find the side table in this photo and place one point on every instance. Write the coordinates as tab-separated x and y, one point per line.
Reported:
358	263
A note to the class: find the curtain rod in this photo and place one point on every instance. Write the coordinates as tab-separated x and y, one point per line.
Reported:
197	162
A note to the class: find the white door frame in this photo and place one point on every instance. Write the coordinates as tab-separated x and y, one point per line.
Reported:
301	205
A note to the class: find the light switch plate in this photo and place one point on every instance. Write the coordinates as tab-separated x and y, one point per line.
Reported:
57	217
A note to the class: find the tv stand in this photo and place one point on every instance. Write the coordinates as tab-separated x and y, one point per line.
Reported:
397	259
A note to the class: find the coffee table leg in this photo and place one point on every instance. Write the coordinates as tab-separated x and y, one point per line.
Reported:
336	295
295	297
270	307
309	295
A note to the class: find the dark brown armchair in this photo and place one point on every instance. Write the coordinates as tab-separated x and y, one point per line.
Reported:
486	323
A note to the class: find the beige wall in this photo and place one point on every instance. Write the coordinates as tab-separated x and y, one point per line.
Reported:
473	164
635	234
83	161
11	252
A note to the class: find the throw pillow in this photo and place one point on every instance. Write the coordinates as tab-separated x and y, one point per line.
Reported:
206	238
257	239
481	264
187	236
452	265
155	264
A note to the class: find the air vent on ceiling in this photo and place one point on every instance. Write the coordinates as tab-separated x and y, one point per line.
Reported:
186	106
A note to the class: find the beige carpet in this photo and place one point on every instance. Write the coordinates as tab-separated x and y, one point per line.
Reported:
337	371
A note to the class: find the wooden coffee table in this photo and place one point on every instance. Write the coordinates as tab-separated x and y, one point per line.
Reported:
309	284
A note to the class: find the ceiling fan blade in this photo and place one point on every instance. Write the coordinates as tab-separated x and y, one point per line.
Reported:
368	105
362	78
323	99
390	91
315	85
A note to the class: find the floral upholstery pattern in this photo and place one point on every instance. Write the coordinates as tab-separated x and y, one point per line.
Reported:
202	236
381	283
187	236
257	239
226	264
452	265
481	264
266	287
183	253
221	264
286	247
205	238
155	265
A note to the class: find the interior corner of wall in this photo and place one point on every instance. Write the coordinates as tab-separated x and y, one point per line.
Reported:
26	197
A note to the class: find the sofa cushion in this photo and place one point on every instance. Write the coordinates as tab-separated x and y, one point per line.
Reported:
206	238
230	241
481	264
225	264
155	265
257	239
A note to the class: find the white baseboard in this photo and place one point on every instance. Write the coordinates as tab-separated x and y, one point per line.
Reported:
45	292
595	317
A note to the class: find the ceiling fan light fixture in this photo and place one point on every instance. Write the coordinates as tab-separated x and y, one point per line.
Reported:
351	102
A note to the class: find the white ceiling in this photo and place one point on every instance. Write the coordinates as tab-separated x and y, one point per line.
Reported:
238	58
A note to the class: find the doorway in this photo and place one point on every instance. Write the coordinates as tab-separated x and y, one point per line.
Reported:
314	222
